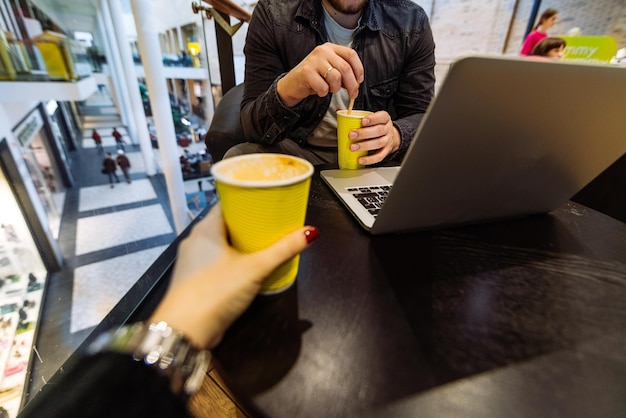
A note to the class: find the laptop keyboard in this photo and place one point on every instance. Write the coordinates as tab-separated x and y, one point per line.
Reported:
371	197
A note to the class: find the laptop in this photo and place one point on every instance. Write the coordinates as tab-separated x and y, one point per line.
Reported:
503	138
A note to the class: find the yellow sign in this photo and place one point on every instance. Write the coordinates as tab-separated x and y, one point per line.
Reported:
591	49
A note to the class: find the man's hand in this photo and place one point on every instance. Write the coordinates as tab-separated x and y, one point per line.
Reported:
326	69
377	133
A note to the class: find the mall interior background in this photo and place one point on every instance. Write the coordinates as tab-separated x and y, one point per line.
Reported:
43	121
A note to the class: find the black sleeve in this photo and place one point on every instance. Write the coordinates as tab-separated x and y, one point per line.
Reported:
107	385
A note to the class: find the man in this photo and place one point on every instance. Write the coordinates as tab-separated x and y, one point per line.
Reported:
378	52
108	168
119	141
124	163
98	140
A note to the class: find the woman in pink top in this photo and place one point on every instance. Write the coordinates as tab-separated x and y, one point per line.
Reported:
546	21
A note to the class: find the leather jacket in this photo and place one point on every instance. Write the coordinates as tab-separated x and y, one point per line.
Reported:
393	40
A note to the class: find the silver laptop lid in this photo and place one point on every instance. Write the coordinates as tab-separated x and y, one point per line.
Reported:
507	137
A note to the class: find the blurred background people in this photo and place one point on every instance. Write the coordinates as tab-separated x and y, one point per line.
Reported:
119	140
98	140
124	163
108	168
539	32
550	47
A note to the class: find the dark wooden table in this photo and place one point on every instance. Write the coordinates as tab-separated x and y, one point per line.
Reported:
523	318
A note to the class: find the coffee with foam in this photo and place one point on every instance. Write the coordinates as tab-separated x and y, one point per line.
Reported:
354	113
261	168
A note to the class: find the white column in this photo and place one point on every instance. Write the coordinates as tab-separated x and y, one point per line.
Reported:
174	89
209	100
188	95
170	36
143	137
175	41
181	46
118	87
148	38
162	42
209	107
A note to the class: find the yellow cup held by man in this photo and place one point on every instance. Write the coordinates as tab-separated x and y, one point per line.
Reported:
263	198
346	122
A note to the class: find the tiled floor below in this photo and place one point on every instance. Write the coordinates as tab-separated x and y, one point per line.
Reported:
99	286
120	227
101	196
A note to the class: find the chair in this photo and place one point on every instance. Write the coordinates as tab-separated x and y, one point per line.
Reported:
225	130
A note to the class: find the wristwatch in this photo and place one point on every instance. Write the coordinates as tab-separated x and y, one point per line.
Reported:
158	346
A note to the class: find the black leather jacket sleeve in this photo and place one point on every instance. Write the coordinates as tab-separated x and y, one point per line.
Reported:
106	385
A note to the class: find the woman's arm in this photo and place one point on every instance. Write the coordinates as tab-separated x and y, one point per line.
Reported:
211	285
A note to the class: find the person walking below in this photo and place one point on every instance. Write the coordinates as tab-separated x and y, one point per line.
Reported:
546	21
109	169
118	139
124	163
98	140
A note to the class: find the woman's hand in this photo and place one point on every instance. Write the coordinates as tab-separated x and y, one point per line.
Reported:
212	283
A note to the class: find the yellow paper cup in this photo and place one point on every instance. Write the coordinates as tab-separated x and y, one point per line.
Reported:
348	160
264	197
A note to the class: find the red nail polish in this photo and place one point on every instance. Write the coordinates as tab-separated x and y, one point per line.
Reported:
310	234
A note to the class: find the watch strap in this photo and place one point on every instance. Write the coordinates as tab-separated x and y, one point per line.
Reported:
159	346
